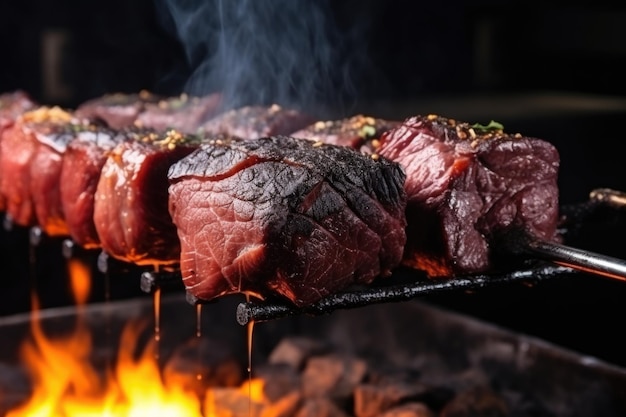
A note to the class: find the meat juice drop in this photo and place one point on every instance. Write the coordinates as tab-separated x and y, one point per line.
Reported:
35	236
157	322
103	267
198	337
250	330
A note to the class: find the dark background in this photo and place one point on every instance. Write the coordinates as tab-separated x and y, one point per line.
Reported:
541	68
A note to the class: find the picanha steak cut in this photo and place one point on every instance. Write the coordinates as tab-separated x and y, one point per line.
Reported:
18	148
12	105
253	122
80	172
116	110
183	113
131	199
285	217
45	175
358	132
466	186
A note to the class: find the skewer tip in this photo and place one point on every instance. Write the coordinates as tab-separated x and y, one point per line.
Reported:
7	222
192	299
243	314
35	235
67	248
103	262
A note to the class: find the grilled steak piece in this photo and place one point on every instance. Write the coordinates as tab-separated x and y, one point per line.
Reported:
465	186
131	199
12	105
118	110
18	149
185	114
253	122
287	217
358	132
45	176
80	172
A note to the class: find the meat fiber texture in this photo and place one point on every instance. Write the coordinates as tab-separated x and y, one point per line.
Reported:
183	113
29	163
12	105
285	217
116	110
467	185
253	122
358	132
131	199
80	172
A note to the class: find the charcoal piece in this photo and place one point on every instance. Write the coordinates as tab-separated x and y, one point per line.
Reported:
358	132
280	380
201	362
333	375
410	410
285	406
371	400
476	401
294	351
320	407
466	185
131	199
253	122
285	217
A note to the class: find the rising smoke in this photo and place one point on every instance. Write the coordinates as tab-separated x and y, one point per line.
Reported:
289	52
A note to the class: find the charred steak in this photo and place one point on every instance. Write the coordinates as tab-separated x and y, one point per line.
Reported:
358	132
80	172
253	122
285	217
465	185
131	199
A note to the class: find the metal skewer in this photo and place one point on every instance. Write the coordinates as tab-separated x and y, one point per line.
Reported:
610	197
581	260
568	260
578	259
259	311
164	280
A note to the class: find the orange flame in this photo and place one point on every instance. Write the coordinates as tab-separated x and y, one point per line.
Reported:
67	384
80	280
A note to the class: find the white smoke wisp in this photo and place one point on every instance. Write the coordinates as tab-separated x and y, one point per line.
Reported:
288	52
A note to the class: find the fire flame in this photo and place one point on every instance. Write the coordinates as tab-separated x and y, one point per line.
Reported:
67	384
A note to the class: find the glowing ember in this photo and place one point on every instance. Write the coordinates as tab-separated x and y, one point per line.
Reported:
67	384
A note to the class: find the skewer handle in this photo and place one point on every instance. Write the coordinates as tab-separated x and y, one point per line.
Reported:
578	259
609	197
